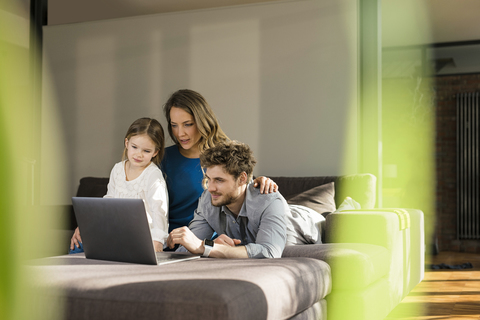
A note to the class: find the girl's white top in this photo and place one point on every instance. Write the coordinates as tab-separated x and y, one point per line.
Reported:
149	186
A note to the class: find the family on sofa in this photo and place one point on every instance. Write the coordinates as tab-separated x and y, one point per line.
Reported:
359	263
247	222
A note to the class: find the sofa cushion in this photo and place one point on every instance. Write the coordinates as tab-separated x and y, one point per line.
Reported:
354	265
198	289
360	187
320	198
318	312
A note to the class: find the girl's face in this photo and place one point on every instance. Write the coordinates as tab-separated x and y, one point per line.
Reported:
140	150
185	131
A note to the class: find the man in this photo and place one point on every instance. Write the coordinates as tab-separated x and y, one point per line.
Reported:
249	224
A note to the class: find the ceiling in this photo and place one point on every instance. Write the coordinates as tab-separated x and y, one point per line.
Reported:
404	22
63	11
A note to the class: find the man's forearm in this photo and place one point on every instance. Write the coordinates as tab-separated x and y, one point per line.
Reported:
189	242
224	251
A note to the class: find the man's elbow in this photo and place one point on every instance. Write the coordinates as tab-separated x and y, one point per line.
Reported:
266	252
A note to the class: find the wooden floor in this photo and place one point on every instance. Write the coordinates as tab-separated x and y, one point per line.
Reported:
445	293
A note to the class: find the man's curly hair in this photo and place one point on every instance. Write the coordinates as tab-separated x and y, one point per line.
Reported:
234	156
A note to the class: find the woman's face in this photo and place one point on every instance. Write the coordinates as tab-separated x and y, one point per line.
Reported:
186	132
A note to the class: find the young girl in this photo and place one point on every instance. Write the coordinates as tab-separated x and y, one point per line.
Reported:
138	176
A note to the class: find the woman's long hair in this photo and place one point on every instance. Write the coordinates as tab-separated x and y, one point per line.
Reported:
207	124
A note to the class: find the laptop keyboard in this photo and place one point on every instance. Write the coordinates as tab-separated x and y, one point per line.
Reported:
163	259
172	257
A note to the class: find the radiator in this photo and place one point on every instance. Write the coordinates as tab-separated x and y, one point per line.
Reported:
468	186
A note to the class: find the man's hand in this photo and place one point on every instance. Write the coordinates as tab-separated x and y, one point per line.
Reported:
226	240
186	238
76	239
158	246
265	184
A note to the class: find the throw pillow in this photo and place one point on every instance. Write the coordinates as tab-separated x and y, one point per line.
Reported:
349	204
304	226
320	198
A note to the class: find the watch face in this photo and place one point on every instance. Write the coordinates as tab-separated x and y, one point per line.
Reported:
209	242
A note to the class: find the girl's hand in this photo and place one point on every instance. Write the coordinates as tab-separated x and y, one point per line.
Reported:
266	185
76	239
226	240
158	246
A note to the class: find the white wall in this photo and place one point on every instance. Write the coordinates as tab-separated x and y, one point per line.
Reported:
280	76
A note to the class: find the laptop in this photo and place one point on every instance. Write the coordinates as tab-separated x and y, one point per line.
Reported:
117	230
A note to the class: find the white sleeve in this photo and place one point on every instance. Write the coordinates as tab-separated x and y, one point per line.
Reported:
156	199
111	185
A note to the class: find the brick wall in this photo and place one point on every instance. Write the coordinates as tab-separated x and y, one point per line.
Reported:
446	87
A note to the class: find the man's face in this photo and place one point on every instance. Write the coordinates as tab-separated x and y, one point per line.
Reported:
222	186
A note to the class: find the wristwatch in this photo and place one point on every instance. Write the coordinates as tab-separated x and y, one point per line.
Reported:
208	244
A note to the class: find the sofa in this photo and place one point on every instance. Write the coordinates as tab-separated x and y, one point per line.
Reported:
368	261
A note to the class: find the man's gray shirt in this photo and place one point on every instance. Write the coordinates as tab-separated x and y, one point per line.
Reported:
265	216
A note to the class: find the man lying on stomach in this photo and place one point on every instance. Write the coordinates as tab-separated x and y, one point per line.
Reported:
249	224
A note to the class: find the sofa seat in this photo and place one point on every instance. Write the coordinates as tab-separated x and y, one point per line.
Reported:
288	288
359	278
365	263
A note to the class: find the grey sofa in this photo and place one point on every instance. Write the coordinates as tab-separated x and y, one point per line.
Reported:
370	260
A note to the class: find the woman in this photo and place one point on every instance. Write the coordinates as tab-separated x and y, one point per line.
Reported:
193	127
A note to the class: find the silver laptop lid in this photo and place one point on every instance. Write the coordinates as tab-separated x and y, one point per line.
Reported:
114	229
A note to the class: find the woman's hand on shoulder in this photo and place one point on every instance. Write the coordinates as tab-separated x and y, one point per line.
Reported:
265	184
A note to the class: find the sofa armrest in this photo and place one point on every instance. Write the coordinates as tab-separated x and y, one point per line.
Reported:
416	253
363	226
385	227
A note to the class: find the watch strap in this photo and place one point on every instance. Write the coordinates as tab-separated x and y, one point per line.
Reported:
208	245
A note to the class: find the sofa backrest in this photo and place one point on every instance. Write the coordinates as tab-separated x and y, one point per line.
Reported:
360	187
92	187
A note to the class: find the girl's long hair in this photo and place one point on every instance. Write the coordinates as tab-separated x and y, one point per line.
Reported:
154	130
